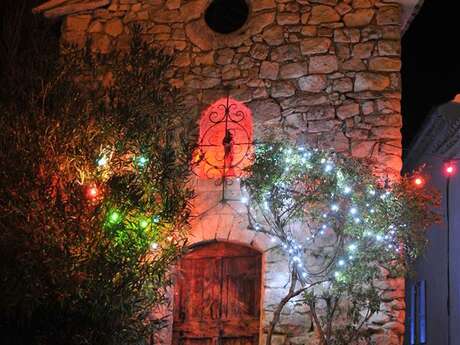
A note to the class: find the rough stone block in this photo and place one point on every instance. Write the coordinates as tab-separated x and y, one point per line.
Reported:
388	15
313	83
323	14
293	70
274	35
371	81
282	89
320	64
318	45
347	110
359	18
385	64
269	70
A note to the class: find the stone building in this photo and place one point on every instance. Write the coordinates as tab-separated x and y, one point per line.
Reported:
322	72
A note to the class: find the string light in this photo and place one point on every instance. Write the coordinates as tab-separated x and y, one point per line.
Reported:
450	169
102	161
92	192
142	161
143	223
114	217
348	197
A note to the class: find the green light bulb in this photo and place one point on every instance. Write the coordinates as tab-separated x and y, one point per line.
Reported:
143	223
114	217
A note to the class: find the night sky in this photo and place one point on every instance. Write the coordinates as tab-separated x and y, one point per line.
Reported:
431	63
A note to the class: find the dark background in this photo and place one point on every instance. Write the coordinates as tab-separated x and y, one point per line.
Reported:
431	63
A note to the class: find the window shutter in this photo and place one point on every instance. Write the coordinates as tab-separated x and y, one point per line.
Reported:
412	301
421	311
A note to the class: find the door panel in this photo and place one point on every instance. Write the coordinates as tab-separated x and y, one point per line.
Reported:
241	286
198	297
217	296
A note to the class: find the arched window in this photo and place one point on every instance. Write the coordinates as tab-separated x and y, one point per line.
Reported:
226	137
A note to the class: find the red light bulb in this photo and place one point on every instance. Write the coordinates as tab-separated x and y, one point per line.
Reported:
418	181
92	192
450	169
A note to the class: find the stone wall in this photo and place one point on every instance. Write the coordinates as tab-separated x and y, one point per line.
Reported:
324	72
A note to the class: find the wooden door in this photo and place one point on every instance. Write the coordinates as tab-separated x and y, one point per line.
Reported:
217	296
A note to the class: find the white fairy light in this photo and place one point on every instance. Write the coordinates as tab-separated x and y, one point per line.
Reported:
346	189
102	161
335	207
352	247
353	210
244	200
341	262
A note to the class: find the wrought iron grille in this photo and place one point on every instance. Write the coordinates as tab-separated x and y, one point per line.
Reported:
225	144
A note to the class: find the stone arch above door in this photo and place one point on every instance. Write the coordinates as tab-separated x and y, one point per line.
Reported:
217	296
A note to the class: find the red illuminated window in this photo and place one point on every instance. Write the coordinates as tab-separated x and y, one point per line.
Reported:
226	136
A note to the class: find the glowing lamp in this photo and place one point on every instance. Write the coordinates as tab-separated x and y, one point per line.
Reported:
114	217
449	169
92	192
143	223
419	182
142	161
102	161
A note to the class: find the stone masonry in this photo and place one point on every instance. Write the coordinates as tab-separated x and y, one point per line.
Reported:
323	72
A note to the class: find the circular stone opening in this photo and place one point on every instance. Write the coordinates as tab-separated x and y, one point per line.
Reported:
226	16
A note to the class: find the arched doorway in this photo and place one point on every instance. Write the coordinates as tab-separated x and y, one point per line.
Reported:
217	296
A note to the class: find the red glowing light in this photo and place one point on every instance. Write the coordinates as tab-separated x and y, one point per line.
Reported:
450	169
92	192
225	147
418	181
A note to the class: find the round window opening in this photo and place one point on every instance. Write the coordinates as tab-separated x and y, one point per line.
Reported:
226	16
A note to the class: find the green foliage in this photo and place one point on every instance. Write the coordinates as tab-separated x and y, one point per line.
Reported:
358	227
95	199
